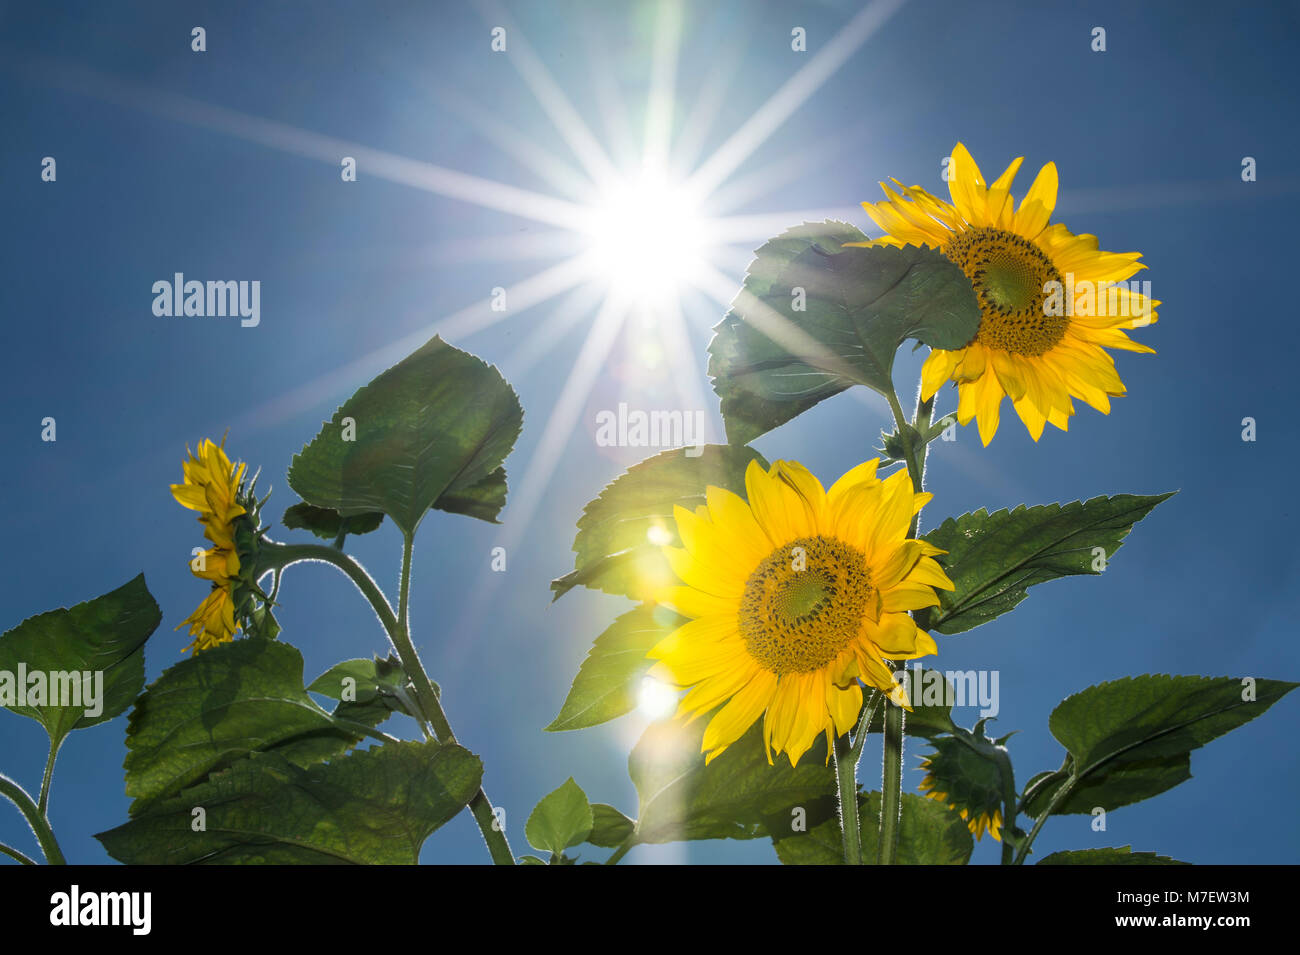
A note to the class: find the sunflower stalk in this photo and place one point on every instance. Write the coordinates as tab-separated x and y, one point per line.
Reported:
35	818
892	772
279	556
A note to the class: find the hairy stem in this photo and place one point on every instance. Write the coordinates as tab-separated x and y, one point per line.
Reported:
892	772
399	634
43	801
35	818
846	774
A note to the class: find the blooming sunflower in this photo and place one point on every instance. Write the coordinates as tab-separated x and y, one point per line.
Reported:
212	487
978	821
1049	302
794	596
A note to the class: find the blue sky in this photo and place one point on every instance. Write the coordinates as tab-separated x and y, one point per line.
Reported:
215	164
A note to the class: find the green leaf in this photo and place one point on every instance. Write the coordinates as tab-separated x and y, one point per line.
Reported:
1122	784
928	834
368	691
370	807
771	360
219	706
614	545
327	523
1124	855
609	827
104	637
1129	739
562	819
430	432
732	797
607	683
994	558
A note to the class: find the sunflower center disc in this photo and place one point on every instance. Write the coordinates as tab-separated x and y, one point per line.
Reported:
1009	274
804	604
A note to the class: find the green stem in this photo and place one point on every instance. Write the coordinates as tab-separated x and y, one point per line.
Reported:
281	555
869	705
15	854
891	785
621	851
846	774
1057	799
892	773
43	801
35	818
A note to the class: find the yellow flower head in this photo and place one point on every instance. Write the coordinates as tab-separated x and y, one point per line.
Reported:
1049	302
212	486
795	595
978	821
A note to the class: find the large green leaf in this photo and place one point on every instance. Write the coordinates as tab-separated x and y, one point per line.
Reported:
562	819
994	558
1155	716
732	797
621	533
1123	855
219	706
1129	739
772	359
430	432
1122	784
928	834
103	637
607	683
370	807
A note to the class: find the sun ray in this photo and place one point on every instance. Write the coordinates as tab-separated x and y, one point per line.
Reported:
792	94
300	142
566	120
663	85
523	295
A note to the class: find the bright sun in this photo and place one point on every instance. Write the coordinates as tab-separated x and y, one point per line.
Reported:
647	237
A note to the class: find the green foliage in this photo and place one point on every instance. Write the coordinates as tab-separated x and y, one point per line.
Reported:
106	634
609	827
1129	739
1124	855
327	523
733	797
219	706
607	683
430	432
562	819
994	558
377	689
368	807
614	553
929	834
772	360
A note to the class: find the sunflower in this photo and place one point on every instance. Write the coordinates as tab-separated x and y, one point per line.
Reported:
212	487
795	596
1049	302
978	821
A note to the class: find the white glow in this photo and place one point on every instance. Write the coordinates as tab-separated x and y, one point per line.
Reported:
655	700
647	237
